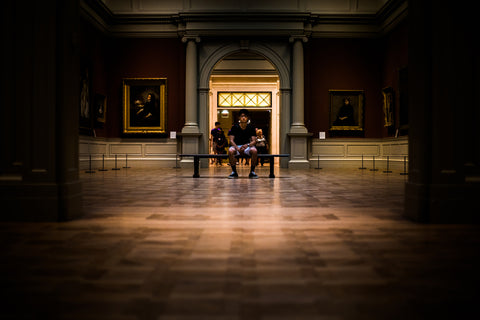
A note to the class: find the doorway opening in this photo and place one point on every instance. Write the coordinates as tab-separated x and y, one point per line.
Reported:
246	81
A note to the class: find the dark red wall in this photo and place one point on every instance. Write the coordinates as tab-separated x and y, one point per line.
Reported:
113	59
93	54
146	58
352	64
340	64
395	50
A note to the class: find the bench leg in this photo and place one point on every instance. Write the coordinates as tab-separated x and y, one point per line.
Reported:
272	162
196	165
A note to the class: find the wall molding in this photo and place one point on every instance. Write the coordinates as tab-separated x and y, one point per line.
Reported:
349	151
163	153
141	153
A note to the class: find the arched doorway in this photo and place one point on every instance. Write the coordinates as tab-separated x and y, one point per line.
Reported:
246	80
217	66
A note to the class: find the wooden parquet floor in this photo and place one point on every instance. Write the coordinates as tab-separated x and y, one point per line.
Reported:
310	244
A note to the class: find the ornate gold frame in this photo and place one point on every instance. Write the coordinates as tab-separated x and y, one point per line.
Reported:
388	106
135	118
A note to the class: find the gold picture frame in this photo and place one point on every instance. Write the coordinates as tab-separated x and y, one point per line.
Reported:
346	110
144	105
388	106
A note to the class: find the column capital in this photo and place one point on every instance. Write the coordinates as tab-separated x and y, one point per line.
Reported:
300	37
187	38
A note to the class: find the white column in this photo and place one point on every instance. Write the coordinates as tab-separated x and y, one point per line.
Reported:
191	78
298	133
298	125
191	132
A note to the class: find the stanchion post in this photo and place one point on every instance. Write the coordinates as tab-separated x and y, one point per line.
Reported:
103	164
176	162
388	170
318	162
373	169
90	165
115	164
404	173
126	161
362	167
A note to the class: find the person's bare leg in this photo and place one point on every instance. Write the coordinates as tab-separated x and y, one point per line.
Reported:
253	155
231	157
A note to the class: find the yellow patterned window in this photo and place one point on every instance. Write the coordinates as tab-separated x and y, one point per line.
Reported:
244	99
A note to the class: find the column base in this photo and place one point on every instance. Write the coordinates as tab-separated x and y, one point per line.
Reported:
190	145
190	129
298	129
299	150
298	164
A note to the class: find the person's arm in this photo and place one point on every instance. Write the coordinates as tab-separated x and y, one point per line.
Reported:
253	141
232	142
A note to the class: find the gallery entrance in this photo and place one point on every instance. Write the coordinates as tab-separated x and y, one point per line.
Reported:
260	119
246	80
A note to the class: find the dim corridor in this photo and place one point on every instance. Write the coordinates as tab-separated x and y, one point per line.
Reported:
309	244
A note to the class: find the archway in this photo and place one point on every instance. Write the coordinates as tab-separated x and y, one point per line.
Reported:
213	53
246	80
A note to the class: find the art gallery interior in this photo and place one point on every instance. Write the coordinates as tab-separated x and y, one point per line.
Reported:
373	217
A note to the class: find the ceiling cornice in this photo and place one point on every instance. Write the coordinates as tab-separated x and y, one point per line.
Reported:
205	24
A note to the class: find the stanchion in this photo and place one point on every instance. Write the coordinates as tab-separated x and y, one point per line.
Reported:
176	162
318	162
90	165
126	162
103	164
362	167
404	173
115	164
387	171
373	169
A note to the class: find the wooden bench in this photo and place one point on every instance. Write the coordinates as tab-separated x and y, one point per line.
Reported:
196	160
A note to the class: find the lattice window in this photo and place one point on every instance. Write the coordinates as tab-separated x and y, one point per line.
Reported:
244	99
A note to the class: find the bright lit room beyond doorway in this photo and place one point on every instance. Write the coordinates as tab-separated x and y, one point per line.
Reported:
246	80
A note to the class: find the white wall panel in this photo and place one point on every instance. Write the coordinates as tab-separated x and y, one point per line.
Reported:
130	149
395	149
358	150
98	148
329	150
160	149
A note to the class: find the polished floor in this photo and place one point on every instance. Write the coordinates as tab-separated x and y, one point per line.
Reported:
310	244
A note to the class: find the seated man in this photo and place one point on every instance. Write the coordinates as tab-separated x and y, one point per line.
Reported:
242	143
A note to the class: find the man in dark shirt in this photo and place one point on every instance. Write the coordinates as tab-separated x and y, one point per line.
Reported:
242	143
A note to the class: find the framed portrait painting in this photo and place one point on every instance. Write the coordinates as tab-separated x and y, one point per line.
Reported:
85	102
144	105
388	106
100	109
346	110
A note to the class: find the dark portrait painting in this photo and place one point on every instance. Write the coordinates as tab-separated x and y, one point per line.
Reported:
144	105
346	110
85	102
